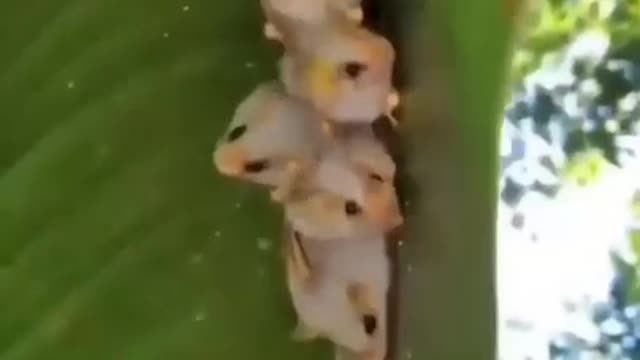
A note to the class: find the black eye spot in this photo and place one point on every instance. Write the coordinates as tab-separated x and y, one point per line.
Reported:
376	177
370	324
236	133
354	69
351	208
256	166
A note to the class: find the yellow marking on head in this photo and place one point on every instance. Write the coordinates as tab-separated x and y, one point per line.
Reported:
320	210
322	80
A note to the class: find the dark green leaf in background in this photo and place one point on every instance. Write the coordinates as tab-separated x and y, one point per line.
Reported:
117	239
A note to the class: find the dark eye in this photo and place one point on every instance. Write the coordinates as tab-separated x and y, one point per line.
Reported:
351	208
353	69
370	324
376	177
236	133
256	166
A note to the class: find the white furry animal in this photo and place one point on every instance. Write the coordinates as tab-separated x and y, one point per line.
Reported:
349	193
270	133
339	289
344	70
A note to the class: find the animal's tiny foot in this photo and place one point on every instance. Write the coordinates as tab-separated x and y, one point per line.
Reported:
393	100
270	32
392	120
328	129
356	14
278	195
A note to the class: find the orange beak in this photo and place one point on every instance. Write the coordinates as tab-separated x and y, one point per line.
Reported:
321	79
230	160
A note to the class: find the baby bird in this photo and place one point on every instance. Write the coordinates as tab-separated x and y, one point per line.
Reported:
270	136
338	298
344	70
349	193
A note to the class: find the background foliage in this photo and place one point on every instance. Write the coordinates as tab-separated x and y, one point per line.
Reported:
570	151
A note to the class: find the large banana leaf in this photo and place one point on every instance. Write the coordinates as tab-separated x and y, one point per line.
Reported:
457	63
118	240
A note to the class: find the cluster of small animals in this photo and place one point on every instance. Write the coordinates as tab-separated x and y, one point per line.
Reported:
308	137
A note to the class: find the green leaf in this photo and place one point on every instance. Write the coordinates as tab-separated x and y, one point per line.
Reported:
634	293
446	272
119	241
